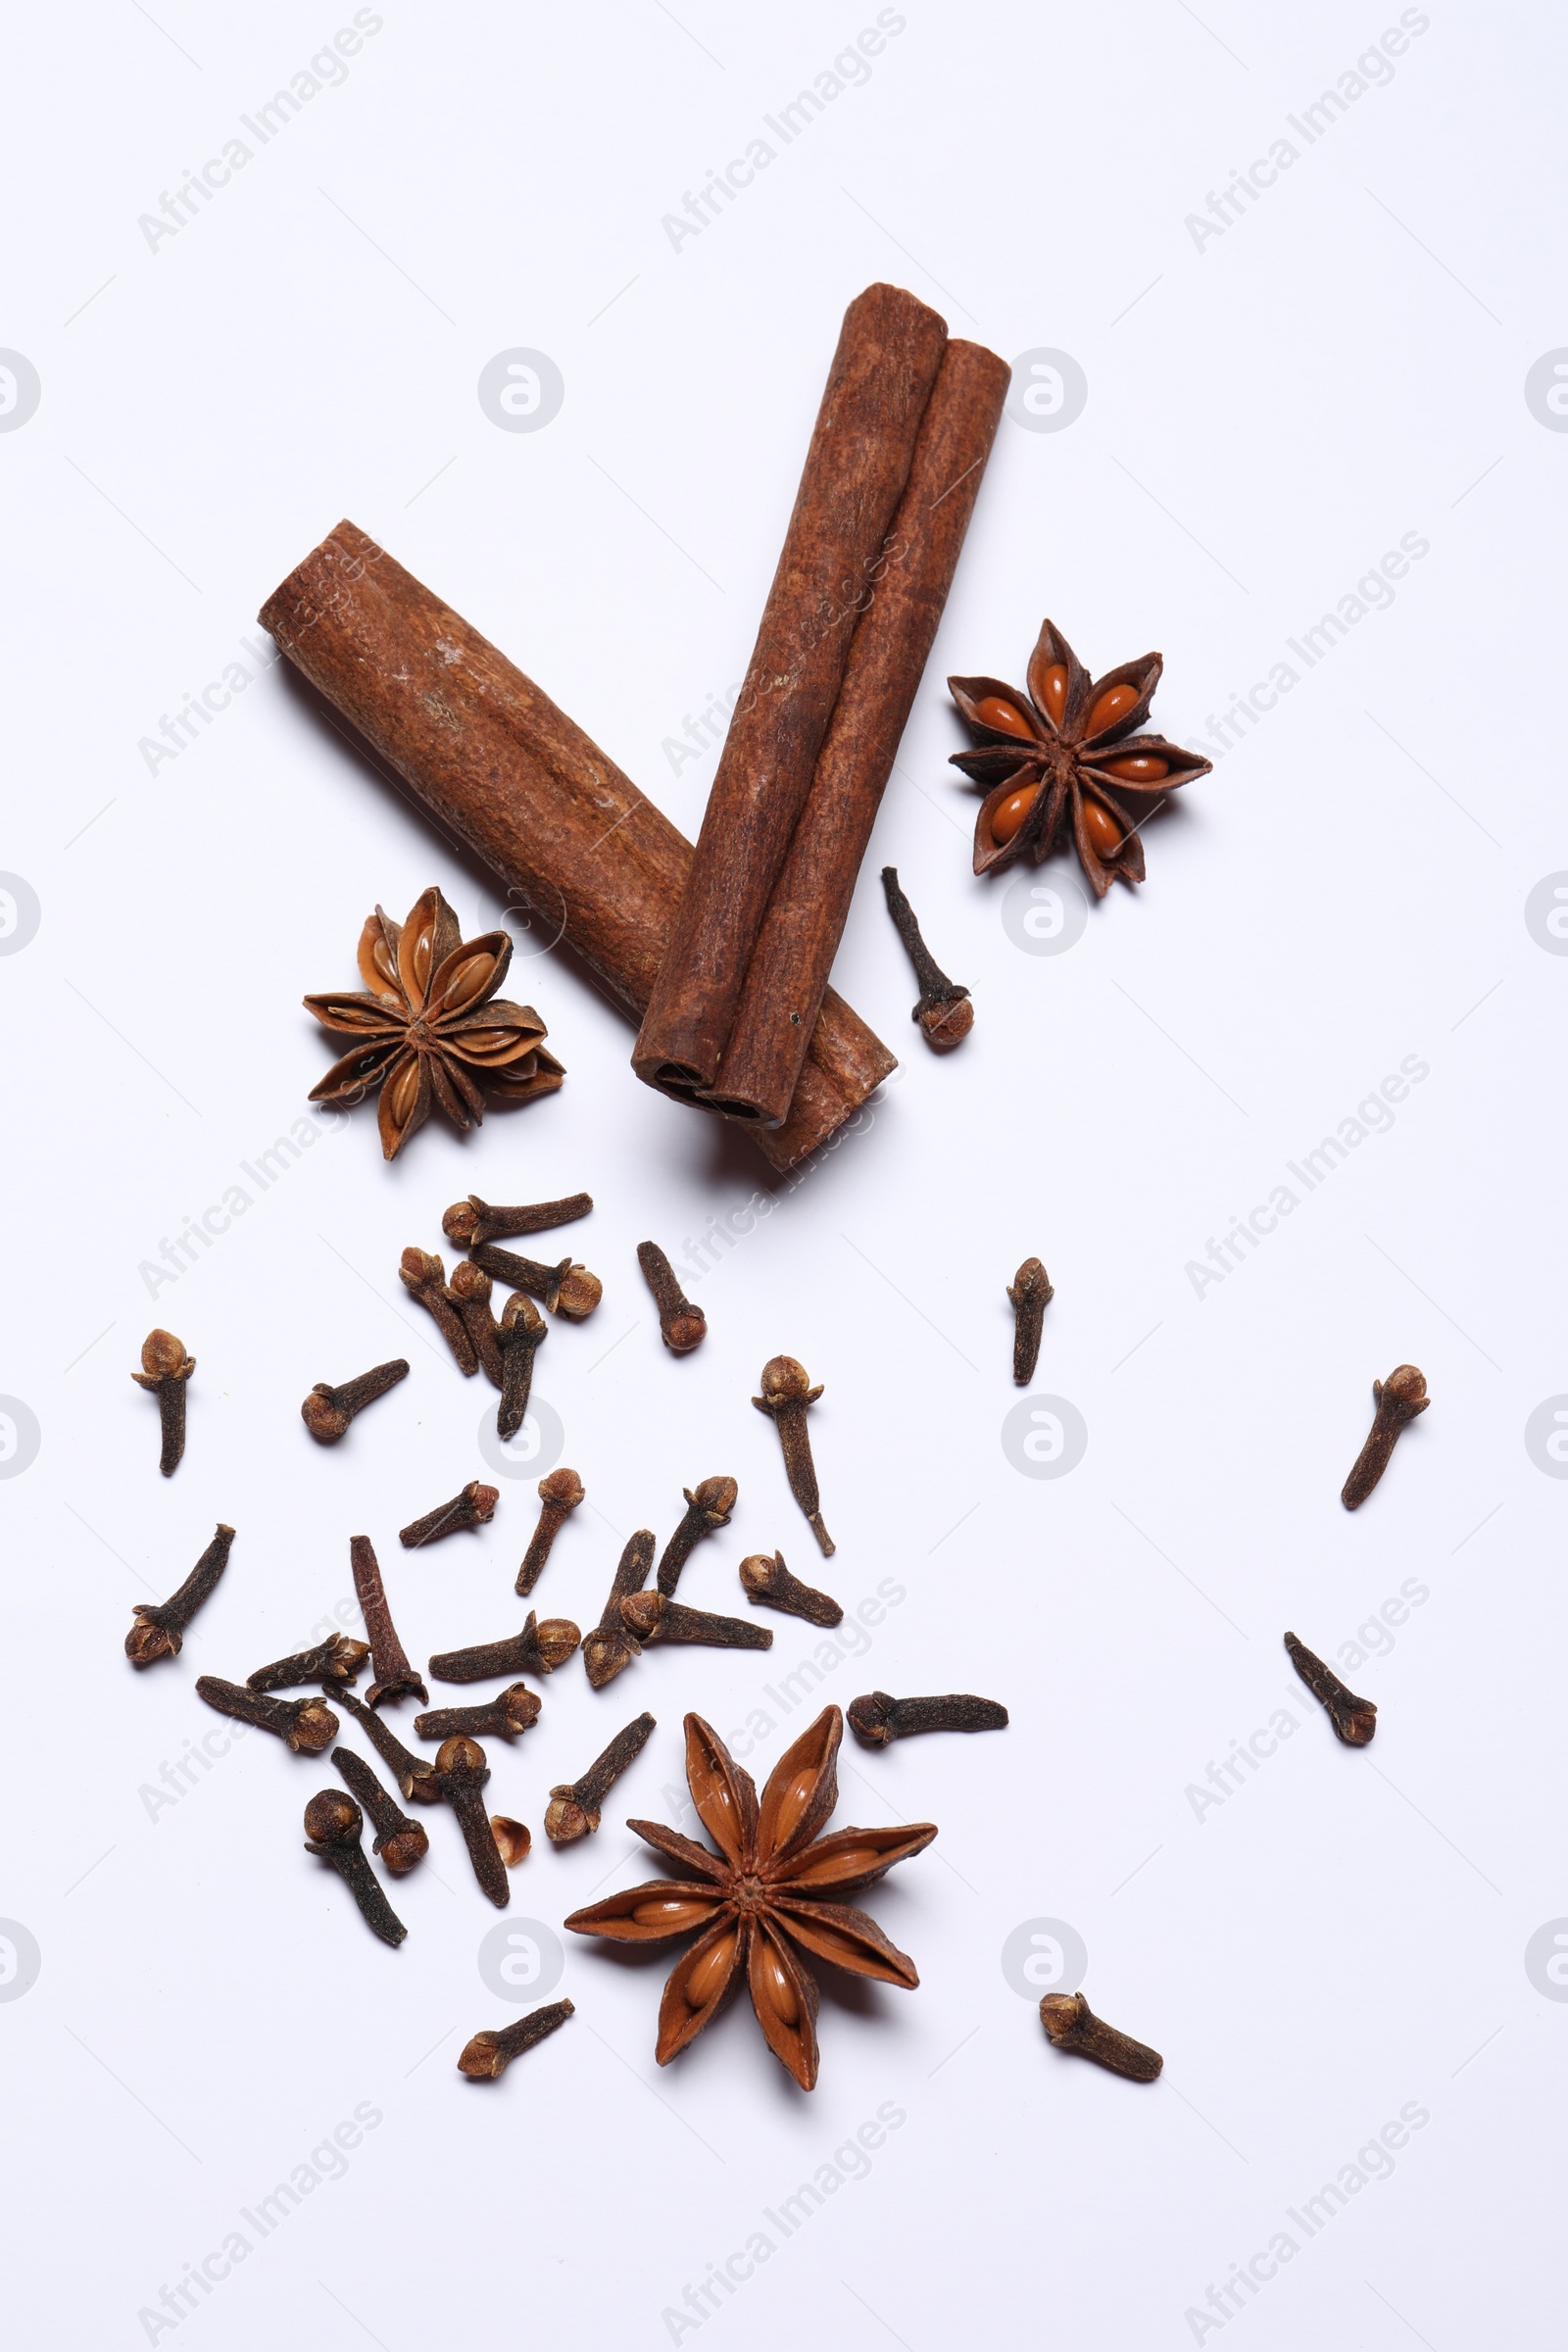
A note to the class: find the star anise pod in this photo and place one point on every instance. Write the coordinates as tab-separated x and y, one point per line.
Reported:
1065	755
758	1900
432	1027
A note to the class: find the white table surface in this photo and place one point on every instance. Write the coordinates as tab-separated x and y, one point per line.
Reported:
1271	408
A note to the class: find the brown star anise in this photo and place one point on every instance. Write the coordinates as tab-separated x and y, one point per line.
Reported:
759	1896
1066	754
432	1027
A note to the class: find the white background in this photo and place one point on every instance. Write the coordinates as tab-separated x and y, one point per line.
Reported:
1269	412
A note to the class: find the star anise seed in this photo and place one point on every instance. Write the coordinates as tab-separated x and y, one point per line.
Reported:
757	1902
431	1026
1064	757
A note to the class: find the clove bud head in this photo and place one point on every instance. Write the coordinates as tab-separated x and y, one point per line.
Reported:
565	1819
147	1642
404	1850
164	1357
564	1489
332	1818
1406	1387
786	1381
580	1294
316	1727
459	1755
947	1025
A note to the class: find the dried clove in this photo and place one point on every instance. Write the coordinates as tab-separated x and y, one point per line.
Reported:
475	1220
681	1326
462	1772
424	1278
1073	2025
333	1663
514	1839
707	1509
574	1807
651	1618
471	1286
1398	1399
786	1395
877	1720
164	1369
327	1411
564	1289
395	1677
402	1843
522	1333
158	1626
306	1725
771	1586
611	1644
943	1011
559	1496
1353	1719
332	1829
415	1775
537	1649
486	2056
510	1711
475	1505
1031	1294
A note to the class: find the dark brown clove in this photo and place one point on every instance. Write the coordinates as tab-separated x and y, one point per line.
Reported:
565	1289
537	1649
771	1586
707	1509
786	1395
503	1717
521	1333
474	1220
462	1772
332	1829
877	1720
487	2056
651	1618
1073	2025
165	1370
559	1496
943	1011
334	1663
395	1677
1031	1294
306	1725
159	1627
471	1286
681	1326
415	1775
611	1644
475	1505
327	1411
574	1808
1398	1399
424	1278
513	1839
1353	1719
402	1843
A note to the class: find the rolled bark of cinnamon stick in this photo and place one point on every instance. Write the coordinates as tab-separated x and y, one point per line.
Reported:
501	768
810	901
888	352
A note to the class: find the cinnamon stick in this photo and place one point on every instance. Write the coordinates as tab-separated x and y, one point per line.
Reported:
888	352
494	761
810	902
